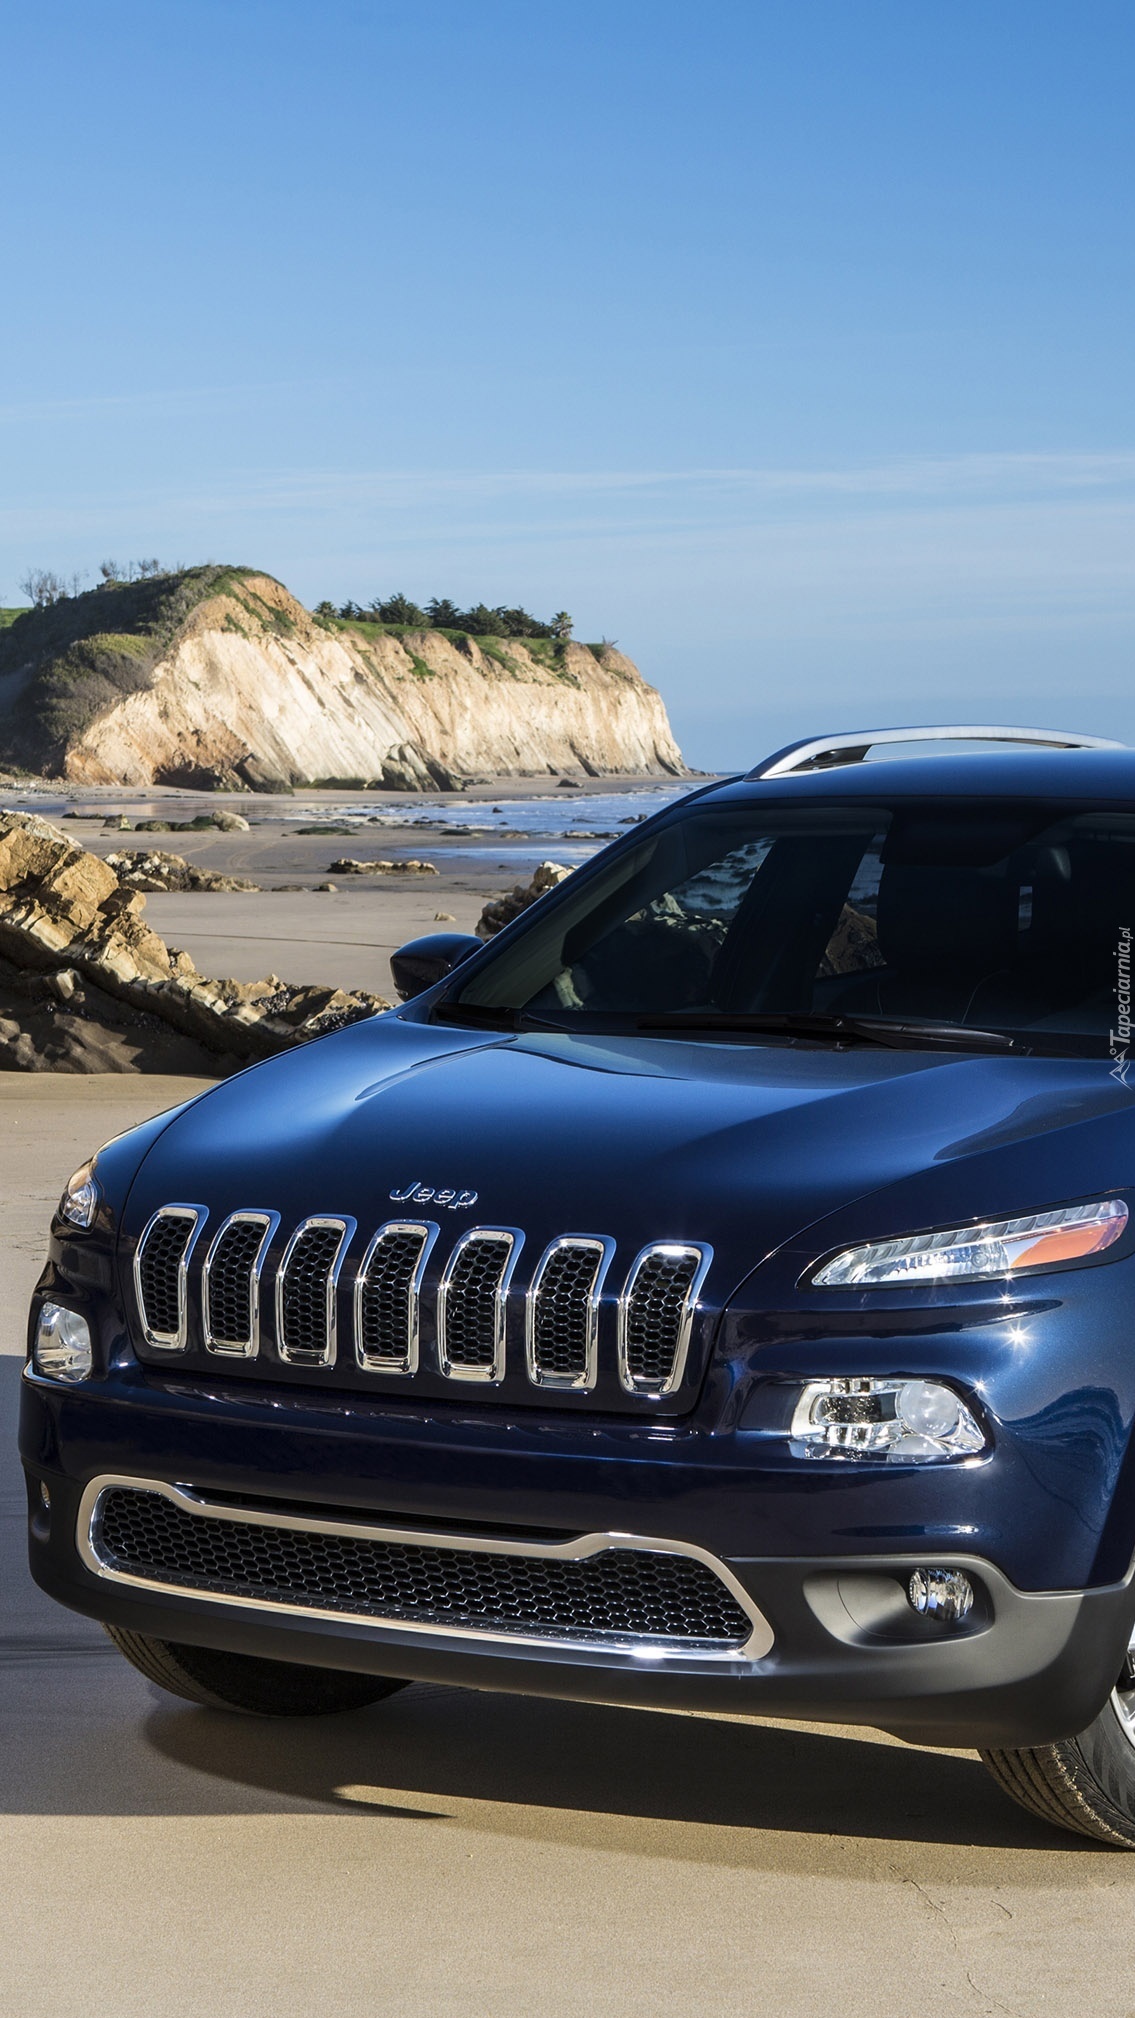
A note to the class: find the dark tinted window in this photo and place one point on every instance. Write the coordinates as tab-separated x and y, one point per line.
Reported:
1011	916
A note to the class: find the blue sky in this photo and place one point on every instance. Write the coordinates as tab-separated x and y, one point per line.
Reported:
789	343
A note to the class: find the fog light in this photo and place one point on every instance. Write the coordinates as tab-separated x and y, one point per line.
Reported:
45	1497
899	1421
62	1348
946	1595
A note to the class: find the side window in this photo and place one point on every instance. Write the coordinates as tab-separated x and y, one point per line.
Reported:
736	909
662	955
854	945
703	907
714	893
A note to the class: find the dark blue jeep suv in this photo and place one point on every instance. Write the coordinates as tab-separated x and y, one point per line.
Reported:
717	1291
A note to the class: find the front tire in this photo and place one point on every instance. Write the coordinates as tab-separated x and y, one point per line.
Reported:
1086	1783
259	1688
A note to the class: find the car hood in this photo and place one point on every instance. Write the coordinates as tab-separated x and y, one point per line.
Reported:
743	1145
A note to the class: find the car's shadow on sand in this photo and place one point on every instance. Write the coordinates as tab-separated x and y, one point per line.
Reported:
684	1787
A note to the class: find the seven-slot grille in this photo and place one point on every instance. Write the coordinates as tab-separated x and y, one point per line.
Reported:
562	1305
657	1596
159	1273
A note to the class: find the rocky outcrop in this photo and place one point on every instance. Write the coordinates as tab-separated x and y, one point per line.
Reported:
154	869
225	823
500	911
223	679
348	866
73	938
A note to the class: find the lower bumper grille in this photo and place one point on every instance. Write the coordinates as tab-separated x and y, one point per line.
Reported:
596	1592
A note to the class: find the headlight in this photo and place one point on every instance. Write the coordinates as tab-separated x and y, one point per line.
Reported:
79	1202
999	1247
62	1348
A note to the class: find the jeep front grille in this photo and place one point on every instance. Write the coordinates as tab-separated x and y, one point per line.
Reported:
595	1591
305	1292
655	1317
392	1313
160	1262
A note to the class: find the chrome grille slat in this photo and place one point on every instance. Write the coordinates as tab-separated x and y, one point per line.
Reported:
230	1284
306	1284
656	1314
161	1261
562	1315
387	1296
471	1303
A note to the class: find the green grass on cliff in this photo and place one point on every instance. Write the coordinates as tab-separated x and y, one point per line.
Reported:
546	651
78	657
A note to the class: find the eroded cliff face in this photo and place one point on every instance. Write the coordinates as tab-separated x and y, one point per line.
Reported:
253	689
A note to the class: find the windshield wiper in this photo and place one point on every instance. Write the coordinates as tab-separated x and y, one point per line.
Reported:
886	1030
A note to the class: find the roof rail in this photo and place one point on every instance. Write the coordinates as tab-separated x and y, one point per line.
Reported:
822	753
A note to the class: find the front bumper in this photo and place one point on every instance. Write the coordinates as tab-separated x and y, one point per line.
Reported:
832	1638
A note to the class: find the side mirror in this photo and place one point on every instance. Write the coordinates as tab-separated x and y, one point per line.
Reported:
421	962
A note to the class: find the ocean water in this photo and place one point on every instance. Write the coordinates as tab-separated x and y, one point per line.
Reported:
565	826
550	813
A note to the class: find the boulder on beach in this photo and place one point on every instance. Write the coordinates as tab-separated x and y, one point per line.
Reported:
347	866
500	911
153	869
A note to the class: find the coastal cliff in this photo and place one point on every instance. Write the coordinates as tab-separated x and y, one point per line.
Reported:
219	677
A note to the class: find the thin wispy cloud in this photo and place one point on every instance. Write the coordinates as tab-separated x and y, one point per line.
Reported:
988	473
947	476
610	504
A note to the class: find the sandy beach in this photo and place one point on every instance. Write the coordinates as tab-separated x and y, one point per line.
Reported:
481	842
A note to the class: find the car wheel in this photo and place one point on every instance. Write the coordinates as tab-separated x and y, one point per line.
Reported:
224	1681
1085	1783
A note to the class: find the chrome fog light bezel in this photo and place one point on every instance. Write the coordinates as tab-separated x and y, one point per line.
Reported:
941	1593
62	1348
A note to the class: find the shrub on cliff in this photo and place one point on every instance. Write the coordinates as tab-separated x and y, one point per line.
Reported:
440	614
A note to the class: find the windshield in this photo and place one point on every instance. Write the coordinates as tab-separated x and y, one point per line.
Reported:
997	915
